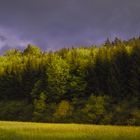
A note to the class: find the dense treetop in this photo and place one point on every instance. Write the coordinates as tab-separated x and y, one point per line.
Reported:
86	84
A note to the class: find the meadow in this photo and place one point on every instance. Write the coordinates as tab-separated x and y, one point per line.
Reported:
44	131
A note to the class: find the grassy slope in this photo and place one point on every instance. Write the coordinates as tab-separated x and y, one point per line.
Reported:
40	131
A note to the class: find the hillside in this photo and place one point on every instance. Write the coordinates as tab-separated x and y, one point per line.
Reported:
98	85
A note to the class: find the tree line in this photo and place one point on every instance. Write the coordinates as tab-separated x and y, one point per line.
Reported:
98	85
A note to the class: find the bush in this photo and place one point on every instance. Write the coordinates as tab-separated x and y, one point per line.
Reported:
15	110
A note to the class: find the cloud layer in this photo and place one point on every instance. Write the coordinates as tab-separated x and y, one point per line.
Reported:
9	39
53	24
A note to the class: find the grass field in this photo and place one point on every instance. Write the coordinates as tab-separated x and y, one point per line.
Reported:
40	131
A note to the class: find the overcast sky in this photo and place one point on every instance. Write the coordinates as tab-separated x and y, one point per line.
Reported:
53	24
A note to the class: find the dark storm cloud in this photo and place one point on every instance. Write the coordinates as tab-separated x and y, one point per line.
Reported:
52	24
2	38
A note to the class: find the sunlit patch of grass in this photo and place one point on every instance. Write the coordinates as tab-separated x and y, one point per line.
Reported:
42	131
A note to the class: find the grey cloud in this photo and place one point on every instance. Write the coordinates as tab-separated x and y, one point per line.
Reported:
10	39
2	38
58	23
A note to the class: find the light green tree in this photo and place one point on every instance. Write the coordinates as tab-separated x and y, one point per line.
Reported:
63	111
39	108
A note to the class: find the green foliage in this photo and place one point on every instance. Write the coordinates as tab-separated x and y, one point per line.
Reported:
63	111
58	86
32	50
57	74
16	110
127	112
39	108
12	52
95	109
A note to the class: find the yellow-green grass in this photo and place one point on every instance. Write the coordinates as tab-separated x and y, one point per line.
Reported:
42	131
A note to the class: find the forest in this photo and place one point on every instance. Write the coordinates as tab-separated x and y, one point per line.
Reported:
89	84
